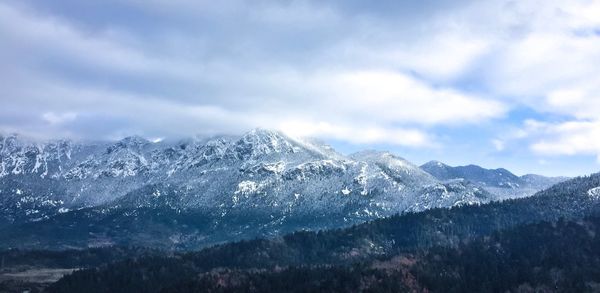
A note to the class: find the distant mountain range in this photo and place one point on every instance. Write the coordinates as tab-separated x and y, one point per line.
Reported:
196	192
500	182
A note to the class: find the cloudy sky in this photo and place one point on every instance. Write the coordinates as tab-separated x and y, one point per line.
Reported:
512	84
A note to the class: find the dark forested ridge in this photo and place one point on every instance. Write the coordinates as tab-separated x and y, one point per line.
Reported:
408	234
560	256
74	258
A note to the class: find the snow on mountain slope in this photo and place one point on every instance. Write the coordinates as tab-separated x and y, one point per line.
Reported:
594	193
279	183
24	158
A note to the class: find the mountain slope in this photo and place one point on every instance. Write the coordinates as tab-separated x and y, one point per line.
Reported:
381	239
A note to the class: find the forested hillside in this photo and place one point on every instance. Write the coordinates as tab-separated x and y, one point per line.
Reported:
561	256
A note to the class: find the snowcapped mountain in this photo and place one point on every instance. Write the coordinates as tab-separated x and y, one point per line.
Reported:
262	183
500	182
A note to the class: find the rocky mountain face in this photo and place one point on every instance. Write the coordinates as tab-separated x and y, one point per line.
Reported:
500	182
201	191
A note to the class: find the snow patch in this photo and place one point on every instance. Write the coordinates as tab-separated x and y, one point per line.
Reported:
246	187
594	193
275	168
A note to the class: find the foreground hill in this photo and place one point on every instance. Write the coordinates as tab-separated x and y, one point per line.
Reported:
566	258
381	239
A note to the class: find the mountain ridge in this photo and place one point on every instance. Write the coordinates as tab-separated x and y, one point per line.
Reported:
499	181
263	183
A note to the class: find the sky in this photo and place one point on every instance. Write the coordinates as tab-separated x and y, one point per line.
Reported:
513	84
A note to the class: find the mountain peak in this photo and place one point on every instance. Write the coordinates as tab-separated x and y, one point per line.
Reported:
9	135
259	131
131	142
261	141
10	142
263	135
134	140
372	154
434	164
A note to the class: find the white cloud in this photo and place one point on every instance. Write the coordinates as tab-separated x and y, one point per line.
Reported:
194	95
542	63
544	139
581	101
499	144
544	56
309	68
393	97
554	59
54	118
568	138
444	54
360	134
